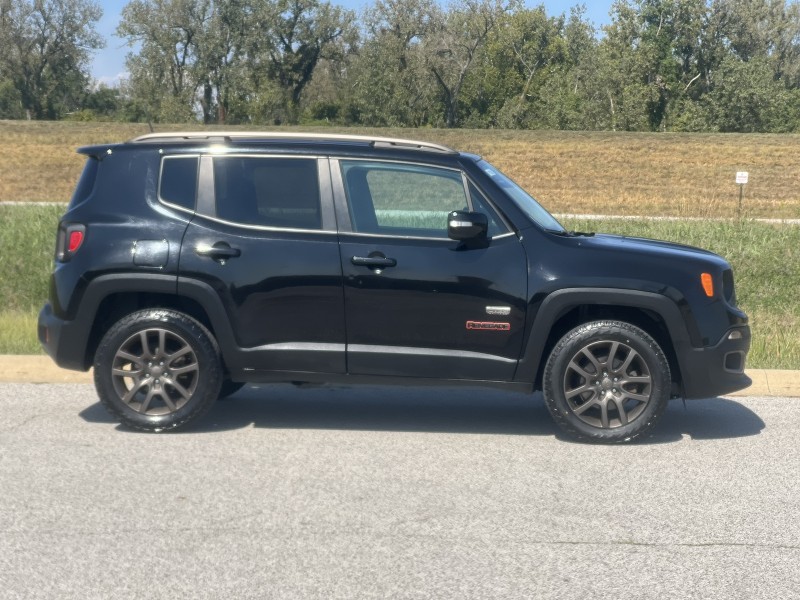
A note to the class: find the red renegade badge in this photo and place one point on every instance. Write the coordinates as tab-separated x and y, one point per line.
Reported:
489	325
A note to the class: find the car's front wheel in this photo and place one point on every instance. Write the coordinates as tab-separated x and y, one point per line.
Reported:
606	381
157	370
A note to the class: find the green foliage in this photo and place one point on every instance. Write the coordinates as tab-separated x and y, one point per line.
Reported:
84	115
659	65
10	101
45	53
390	81
230	61
747	98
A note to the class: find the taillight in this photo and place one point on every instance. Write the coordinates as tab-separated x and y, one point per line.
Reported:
75	241
70	240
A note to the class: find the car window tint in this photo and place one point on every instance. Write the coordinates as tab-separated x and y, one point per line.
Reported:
271	192
179	180
402	199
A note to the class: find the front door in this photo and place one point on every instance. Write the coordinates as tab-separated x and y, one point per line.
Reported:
418	304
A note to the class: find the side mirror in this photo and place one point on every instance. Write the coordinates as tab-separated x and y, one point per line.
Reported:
463	225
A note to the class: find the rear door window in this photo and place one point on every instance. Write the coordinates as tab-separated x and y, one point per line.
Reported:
268	191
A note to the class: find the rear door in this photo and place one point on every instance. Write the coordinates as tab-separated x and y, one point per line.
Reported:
265	241
417	303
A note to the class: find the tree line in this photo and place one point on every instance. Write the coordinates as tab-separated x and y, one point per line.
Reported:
659	65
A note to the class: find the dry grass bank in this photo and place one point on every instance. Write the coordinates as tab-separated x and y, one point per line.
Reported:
689	175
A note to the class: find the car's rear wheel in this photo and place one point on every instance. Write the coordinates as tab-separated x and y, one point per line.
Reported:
157	370
606	381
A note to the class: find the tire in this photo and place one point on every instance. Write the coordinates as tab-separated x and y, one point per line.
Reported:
157	370
607	382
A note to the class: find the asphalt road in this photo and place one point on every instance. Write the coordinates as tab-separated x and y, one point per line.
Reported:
394	493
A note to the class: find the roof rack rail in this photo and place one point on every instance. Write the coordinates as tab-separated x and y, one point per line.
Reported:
378	142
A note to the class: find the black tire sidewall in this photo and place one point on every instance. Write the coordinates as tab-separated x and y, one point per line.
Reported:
570	344
201	342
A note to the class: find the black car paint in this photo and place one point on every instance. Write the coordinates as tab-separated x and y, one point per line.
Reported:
290	313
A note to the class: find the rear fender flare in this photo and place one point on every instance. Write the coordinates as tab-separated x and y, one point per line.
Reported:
104	286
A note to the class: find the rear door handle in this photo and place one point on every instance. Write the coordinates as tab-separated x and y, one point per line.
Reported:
380	262
220	251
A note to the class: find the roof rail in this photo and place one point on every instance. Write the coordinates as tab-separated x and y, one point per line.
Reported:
377	142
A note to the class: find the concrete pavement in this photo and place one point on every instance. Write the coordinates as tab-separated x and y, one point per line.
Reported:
41	369
402	493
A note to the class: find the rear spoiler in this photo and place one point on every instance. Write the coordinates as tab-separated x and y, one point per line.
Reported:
99	152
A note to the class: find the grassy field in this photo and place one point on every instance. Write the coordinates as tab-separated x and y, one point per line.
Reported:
685	175
766	261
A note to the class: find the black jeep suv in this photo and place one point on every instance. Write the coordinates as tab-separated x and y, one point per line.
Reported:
189	264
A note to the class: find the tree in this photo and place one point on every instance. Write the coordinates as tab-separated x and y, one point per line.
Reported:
568	98
459	34
525	50
219	46
392	85
163	75
226	58
290	37
46	46
651	52
747	98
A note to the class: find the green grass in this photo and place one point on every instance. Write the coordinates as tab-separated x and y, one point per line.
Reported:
27	243
765	258
27	240
18	332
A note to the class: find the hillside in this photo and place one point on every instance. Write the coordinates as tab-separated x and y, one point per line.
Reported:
687	175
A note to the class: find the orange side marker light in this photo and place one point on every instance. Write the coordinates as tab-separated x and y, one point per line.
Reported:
708	284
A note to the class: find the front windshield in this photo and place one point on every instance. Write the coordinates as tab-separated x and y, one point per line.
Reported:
522	199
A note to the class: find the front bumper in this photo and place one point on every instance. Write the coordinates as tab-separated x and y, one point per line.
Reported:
716	370
64	341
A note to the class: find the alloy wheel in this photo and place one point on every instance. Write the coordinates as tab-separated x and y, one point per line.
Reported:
155	372
607	384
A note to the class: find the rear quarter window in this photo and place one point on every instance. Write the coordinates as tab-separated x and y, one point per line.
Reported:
86	182
178	183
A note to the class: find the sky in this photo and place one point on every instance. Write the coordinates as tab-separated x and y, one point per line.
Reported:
108	64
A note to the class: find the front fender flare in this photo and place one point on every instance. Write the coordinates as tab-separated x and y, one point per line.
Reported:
560	301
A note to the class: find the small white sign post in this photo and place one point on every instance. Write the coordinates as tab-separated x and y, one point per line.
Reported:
741	180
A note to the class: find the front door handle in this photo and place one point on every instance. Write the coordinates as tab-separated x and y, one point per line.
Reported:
379	262
220	251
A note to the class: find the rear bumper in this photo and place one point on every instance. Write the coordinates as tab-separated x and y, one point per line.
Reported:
717	370
64	341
